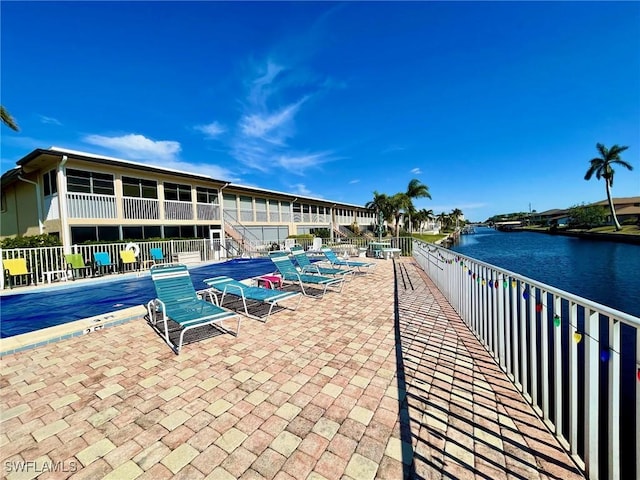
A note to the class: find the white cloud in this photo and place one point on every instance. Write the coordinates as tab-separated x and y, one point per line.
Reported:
212	130
351	182
268	121
393	148
49	120
301	189
272	128
298	164
137	147
416	171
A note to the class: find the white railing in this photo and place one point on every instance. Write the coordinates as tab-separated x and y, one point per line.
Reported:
141	208
51	259
175	210
90	205
241	234
208	211
564	353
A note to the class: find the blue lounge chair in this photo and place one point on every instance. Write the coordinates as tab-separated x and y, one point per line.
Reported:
178	301
156	255
333	259
102	262
260	295
307	266
289	273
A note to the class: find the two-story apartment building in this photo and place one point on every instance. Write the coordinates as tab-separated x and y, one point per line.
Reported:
80	196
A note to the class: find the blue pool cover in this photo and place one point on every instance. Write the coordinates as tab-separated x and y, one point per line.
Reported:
27	312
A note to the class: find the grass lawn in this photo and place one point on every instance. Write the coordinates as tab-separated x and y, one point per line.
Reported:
429	238
626	230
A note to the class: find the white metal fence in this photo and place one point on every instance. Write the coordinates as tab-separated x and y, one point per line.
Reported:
575	361
41	260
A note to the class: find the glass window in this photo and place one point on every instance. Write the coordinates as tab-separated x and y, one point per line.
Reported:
108	234
89	182
137	187
176	191
206	195
83	234
50	183
152	231
132	233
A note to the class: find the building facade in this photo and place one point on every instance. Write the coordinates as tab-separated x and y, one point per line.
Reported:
81	197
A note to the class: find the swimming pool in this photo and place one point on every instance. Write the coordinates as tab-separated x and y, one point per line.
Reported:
27	312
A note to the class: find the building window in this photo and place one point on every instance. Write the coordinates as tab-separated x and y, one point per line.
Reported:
89	182
50	183
139	188
206	195
176	191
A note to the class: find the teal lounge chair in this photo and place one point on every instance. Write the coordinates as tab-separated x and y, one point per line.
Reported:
259	295
307	266
156	255
178	301
289	273
338	262
102	262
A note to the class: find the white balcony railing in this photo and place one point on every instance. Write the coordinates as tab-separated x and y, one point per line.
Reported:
141	208
174	210
552	344
89	205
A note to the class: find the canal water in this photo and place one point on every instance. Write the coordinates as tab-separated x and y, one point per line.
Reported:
605	272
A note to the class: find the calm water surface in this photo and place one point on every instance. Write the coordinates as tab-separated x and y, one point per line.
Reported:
605	272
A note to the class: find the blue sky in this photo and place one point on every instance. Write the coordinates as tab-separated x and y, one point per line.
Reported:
494	106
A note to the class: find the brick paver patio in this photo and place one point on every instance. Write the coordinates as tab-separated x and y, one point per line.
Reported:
347	387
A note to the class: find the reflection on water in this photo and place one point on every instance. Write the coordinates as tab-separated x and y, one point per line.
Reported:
605	272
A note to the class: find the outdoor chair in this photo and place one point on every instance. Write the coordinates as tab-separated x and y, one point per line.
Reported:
157	256
128	260
16	268
334	260
102	263
306	266
76	265
290	274
258	296
178	309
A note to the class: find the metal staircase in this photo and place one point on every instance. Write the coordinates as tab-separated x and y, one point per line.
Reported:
244	242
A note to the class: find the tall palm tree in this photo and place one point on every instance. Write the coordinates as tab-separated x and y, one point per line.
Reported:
443	218
7	119
455	214
415	189
602	168
380	204
400	203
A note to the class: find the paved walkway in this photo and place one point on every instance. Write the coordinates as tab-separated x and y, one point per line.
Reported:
343	387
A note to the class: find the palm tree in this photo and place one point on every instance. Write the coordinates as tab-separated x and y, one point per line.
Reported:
415	189
380	205
443	218
455	214
602	167
7	119
400	203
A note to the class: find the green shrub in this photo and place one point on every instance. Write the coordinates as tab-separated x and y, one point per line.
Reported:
31	241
